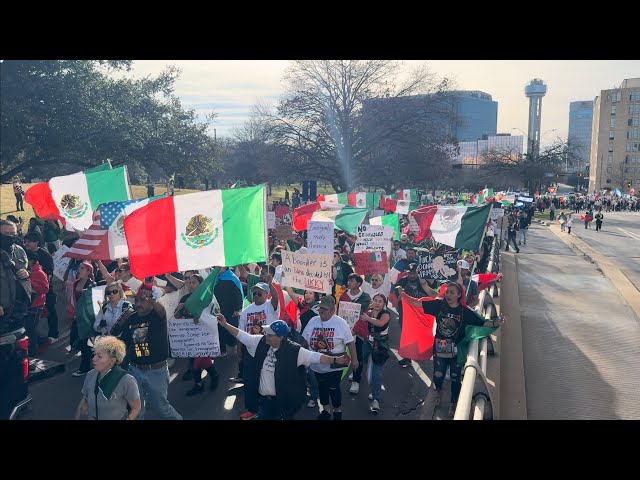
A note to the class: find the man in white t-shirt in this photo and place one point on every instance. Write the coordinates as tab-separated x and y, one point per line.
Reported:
252	320
276	261
330	334
280	368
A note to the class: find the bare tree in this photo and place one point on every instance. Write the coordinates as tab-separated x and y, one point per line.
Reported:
319	124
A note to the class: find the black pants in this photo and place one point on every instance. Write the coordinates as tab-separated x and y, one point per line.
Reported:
52	319
329	387
598	225
19	203
357	373
511	237
80	344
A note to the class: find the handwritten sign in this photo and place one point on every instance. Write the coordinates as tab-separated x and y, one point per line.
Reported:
374	238
311	271
368	263
60	264
320	237
170	301
284	232
189	340
496	213
441	267
271	220
349	311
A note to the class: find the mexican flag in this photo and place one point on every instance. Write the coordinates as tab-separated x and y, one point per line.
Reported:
73	198
458	227
416	339
203	296
368	200
345	218
485	195
87	310
184	232
389	220
100	168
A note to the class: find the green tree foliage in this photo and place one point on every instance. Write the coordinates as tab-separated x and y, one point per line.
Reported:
79	113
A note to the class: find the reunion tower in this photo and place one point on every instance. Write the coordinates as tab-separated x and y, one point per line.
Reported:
535	90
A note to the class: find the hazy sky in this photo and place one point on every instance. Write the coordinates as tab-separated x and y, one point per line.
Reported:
231	87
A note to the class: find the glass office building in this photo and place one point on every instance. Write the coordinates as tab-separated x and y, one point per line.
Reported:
477	115
580	123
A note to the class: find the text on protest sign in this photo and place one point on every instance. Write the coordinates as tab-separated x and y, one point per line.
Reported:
60	264
368	263
440	267
350	311
189	340
496	213
374	237
320	237
310	271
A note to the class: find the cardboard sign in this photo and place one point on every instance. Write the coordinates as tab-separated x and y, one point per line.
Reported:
60	264
284	232
271	220
311	271
189	340
374	238
320	237
440	267
368	263
349	311
496	213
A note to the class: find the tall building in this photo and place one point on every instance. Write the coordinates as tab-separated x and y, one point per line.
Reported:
580	121
471	154
477	115
534	91
615	142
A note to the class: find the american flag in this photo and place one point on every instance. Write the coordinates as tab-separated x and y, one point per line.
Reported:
104	239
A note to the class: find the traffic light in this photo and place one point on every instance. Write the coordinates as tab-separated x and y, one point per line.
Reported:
629	184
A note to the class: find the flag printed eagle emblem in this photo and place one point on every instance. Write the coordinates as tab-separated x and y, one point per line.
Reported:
199	232
450	219
72	206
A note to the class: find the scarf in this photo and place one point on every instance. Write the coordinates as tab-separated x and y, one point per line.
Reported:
230	276
110	381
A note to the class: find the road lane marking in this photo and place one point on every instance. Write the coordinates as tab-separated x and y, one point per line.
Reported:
635	236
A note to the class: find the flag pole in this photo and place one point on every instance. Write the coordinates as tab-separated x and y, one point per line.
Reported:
475	260
126	172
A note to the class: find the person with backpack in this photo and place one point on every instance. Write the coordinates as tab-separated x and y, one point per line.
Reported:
599	218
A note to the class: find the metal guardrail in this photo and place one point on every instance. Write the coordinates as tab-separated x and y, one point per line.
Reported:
474	394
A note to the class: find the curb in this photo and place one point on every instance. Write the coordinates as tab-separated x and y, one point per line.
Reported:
627	290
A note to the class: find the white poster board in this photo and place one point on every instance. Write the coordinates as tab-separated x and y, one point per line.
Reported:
60	264
320	237
374	237
189	340
310	271
170	301
349	311
496	213
271	220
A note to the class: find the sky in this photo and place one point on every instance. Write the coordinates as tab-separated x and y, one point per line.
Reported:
231	87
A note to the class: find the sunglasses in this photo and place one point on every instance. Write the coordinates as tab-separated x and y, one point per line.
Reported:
118	270
258	294
111	292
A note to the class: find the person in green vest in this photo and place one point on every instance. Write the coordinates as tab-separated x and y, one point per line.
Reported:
599	217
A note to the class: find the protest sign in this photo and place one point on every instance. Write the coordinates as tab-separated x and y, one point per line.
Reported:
280	211
496	212
311	271
320	237
368	263
349	311
284	232
189	340
440	267
60	264
271	220
374	237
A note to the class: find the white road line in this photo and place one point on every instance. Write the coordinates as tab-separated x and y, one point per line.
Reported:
635	236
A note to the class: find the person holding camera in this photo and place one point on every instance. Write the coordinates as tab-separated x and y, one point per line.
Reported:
109	392
280	368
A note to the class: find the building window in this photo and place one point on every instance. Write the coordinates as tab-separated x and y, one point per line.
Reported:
609	170
611	135
629	145
610	158
611	146
612	123
636	122
635	96
608	180
629	122
613	109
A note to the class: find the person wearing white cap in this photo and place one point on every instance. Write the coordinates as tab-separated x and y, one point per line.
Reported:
280	368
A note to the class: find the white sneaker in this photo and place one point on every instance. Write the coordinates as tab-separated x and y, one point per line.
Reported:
370	397
350	378
52	340
171	362
311	403
355	388
375	406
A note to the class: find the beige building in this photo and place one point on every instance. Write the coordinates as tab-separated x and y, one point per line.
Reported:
615	141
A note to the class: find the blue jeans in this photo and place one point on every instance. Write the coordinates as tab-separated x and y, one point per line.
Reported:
376	370
314	390
440	369
153	386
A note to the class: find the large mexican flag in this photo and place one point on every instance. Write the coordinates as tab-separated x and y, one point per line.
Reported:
458	227
73	198
345	218
213	228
